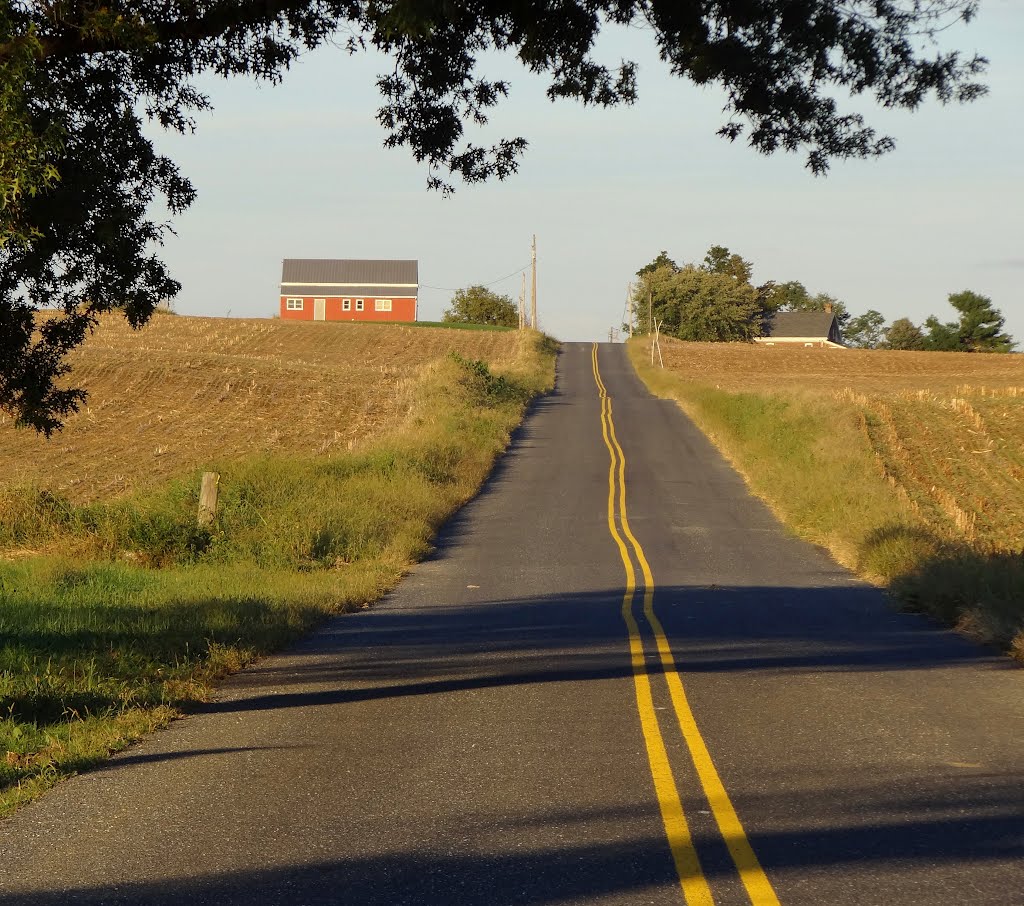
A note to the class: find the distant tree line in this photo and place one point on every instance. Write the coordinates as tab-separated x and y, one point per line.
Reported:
979	328
716	300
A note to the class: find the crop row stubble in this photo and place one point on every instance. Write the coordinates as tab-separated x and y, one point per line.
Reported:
168	399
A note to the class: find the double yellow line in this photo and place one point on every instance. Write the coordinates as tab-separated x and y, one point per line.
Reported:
696	891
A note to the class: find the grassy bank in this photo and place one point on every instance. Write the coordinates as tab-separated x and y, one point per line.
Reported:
116	616
455	325
867	459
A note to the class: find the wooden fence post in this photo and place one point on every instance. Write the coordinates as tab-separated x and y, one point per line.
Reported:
208	498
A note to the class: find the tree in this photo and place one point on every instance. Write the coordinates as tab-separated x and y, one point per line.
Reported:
904	334
662	260
77	78
661	293
788	296
981	324
793	296
716	307
478	305
696	304
980	328
652	297
719	260
941	337
866	331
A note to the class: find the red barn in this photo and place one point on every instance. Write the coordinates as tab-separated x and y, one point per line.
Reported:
329	289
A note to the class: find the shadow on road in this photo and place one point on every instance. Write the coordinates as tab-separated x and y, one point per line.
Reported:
574	872
422	651
803	824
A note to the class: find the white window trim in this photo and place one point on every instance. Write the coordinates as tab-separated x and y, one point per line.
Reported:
359	304
346	305
295	305
382	305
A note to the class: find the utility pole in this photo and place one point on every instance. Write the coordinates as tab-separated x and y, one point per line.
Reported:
533	283
522	305
629	310
650	316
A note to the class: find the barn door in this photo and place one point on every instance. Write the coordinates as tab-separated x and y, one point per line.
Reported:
319	309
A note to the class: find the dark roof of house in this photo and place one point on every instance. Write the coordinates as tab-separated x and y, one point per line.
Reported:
348	291
800	324
351	275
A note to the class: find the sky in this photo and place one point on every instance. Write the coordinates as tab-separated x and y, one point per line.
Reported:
298	170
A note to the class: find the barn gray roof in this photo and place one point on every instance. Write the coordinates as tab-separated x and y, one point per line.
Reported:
348	291
353	272
800	324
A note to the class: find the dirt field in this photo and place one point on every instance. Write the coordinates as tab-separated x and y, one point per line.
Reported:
187	391
946	428
742	366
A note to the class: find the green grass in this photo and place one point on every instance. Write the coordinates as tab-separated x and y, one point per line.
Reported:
809	458
450	325
456	325
140	612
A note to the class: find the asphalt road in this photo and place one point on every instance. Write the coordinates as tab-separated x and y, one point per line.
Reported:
486	736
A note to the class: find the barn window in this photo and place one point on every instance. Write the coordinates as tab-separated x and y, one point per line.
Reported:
382	305
294	305
359	304
346	305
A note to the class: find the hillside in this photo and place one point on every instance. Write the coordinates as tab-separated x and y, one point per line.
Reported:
184	391
946	428
907	466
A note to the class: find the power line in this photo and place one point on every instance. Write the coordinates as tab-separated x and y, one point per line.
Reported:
499	280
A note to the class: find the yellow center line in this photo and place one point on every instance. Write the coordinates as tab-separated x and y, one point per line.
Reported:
691	877
751	873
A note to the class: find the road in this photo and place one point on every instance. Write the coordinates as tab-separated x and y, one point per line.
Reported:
576	702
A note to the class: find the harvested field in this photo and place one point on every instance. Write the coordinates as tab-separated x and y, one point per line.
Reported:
947	429
117	615
184	392
908	467
743	366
